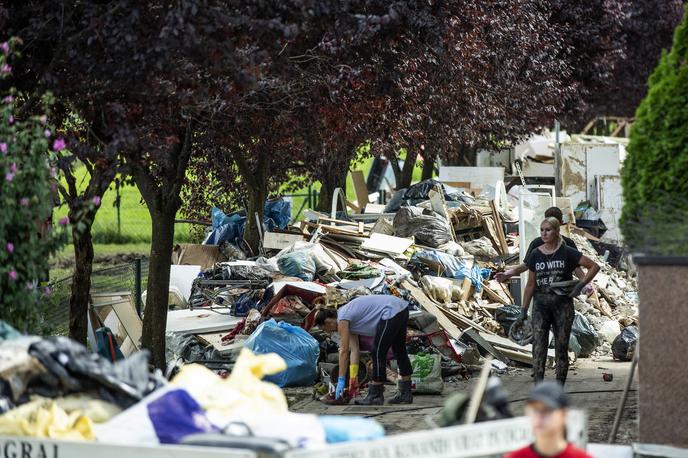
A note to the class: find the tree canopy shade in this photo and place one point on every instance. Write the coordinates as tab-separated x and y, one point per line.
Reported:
166	74
654	173
645	29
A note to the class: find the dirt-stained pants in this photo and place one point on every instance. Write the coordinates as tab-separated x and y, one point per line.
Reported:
557	312
391	333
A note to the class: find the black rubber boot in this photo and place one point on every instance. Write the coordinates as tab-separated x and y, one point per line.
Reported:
375	396
404	395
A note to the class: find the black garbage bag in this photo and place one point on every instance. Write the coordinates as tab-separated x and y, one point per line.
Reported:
506	316
623	346
428	228
585	334
72	368
421	191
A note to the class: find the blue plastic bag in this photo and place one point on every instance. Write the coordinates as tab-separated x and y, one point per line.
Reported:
175	415
276	213
297	347
339	428
225	228
456	267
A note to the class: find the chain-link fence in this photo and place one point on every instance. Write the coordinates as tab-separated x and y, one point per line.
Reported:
117	279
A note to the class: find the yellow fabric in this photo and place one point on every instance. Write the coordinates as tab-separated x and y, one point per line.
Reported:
45	418
242	393
353	371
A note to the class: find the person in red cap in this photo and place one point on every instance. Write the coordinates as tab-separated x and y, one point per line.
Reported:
547	407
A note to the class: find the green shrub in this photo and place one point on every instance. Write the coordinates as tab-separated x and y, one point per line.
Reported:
27	192
655	172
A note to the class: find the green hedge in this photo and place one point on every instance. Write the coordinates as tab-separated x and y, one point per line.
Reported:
655	172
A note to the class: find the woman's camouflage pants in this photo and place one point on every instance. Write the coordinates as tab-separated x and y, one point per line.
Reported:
557	312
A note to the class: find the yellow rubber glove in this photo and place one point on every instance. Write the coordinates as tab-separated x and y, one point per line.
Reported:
353	371
353	380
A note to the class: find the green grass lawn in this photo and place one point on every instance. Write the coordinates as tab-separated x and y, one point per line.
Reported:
132	234
134	225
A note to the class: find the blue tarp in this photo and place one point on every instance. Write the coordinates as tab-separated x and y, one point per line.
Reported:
455	267
276	213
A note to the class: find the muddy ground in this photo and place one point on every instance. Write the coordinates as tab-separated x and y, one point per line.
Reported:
585	385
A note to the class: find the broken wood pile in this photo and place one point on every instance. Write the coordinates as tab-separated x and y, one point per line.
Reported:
442	249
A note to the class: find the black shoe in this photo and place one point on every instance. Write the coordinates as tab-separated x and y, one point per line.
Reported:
375	396
404	395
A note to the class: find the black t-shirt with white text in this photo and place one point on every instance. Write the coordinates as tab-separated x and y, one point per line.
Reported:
555	267
537	242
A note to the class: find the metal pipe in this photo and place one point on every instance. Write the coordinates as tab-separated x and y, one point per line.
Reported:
137	286
624	396
557	159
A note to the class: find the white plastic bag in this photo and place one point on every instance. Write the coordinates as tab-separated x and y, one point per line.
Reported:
609	330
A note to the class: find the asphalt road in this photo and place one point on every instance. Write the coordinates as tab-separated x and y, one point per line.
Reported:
587	389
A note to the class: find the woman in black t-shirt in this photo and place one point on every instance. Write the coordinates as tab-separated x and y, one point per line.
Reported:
549	265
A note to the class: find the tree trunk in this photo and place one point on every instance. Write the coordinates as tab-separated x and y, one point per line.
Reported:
329	184
81	281
407	170
428	168
155	313
161	194
394	162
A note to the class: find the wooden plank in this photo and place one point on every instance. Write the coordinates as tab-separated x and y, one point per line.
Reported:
336	229
490	228
360	187
374	208
503	342
584	233
278	240
524	358
223	348
506	292
598	305
491	306
338	221
387	244
353	206
608	297
476	337
459	184
500	228
430	307
493	296
467	289
463	321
